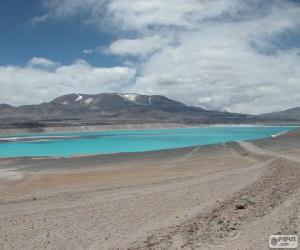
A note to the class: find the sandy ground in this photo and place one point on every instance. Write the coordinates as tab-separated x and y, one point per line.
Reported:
229	196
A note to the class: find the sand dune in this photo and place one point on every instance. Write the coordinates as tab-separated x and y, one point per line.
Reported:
229	196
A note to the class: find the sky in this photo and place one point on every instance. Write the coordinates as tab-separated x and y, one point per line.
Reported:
234	55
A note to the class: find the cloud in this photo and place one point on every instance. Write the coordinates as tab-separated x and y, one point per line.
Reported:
88	51
141	15
136	47
240	86
31	84
39	19
42	63
223	55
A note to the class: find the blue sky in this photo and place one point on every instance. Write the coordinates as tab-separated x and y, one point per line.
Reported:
57	40
235	55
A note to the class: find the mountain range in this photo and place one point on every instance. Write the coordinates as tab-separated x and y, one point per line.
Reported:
126	108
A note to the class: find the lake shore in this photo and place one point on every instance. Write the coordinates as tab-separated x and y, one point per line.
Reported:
112	127
211	197
116	127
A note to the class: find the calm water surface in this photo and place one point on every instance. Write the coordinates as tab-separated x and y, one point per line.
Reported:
69	144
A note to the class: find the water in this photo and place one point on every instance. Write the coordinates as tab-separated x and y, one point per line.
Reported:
70	144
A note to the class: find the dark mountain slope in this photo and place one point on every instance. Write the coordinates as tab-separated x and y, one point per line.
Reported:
111	108
293	113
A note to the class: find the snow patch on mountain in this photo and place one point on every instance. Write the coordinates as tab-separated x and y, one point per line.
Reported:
79	98
130	97
88	101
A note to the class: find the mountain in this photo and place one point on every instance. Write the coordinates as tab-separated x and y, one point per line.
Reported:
127	108
110	108
108	102
289	114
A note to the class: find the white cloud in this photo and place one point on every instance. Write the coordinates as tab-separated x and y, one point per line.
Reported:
218	54
39	19
88	51
137	47
31	85
43	63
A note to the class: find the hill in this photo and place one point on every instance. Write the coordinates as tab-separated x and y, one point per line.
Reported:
110	108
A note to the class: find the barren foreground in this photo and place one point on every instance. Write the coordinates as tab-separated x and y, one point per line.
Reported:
230	196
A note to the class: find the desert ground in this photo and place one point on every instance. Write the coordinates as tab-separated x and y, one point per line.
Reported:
227	196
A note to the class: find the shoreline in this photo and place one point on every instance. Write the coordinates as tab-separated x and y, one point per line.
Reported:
121	127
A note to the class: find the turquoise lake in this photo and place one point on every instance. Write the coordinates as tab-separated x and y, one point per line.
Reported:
71	144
